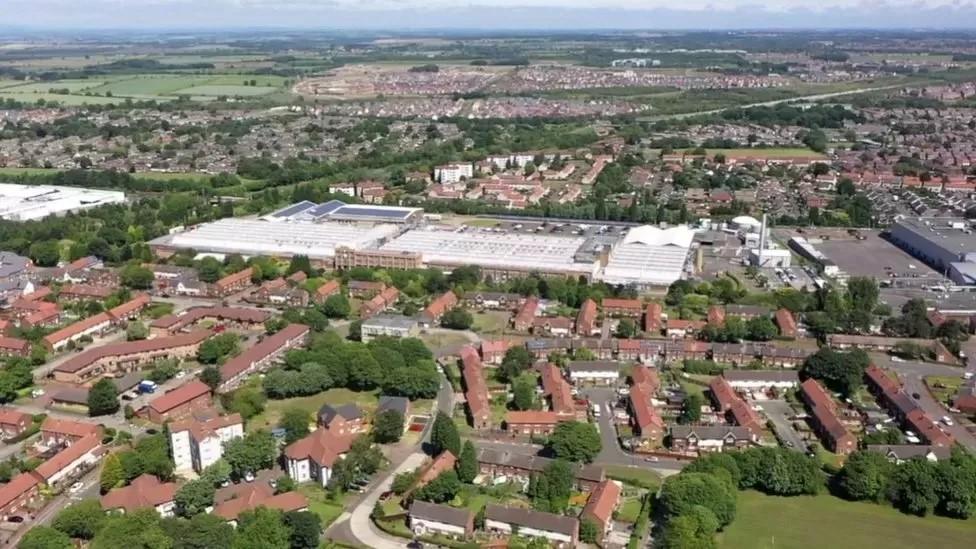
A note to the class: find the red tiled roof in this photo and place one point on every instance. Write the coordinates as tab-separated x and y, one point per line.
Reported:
9	416
441	305
93	354
67	427
196	314
329	288
146	491
443	462
268	346
235	278
14	344
86	290
603	500
652	317
558	389
723	393
322	446
881	380
179	396
824	411
474	381
645	416
289	501
616	303
129	307
645	377
786	322
66	457
586	318
18	486
716	315
494	346
78	327
527	312
532	417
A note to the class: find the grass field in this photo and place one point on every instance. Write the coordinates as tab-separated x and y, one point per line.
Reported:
43	87
490	322
67	100
809	522
226	89
637	476
268	419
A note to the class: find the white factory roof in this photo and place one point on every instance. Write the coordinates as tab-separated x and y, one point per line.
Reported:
649	256
746	221
27	202
491	249
256	237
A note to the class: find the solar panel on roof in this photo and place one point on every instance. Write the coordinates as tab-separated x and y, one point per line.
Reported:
289	211
325	208
372	212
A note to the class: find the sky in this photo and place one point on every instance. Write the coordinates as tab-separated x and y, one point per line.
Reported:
487	14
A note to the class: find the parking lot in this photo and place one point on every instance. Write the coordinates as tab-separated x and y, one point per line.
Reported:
874	256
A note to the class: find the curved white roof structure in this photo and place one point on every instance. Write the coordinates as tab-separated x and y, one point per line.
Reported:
649	256
744	221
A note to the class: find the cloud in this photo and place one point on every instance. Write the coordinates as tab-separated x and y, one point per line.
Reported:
488	14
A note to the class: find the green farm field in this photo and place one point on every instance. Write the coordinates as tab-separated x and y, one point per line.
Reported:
810	522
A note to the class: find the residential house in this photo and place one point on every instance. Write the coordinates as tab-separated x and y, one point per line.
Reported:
179	403
525	315
761	380
786	322
586	319
343	420
900	453
697	439
496	301
493	350
622	307
652	318
834	434
600	506
145	492
476	390
312	458
259	494
644	418
232	283
262	355
560	530
443	303
329	288
432	518
533	422
13	422
593	372
520	467
63	432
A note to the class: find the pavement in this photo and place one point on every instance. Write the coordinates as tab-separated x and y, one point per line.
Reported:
356	526
779	413
89	490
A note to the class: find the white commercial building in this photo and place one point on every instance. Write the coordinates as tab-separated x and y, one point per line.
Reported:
252	237
27	202
492	250
198	444
649	256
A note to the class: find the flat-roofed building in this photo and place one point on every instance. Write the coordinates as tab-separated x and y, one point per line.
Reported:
389	326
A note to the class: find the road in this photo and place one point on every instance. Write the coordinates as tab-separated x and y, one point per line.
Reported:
89	490
779	413
356	526
912	375
612	453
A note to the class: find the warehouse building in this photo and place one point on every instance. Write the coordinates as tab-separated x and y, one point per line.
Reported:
27	202
342	236
253	237
945	243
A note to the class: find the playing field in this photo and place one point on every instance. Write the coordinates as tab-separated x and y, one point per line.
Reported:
43	87
227	90
767	522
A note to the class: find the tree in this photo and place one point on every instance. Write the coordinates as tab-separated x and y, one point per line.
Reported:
626	328
211	376
516	360
523	390
135	331
840	371
138	529
295	422
681	493
693	530
336	306
218	347
45	253
444	435
865	476
457	319
589	531
263	528
137	277
112	474
914	487
440	490
45	537
194	497
209	270
305	529
247	401
404	481
691	409
80	520
575	441
957	485
467	463
761	328
203	531
553	487
103	398
300	263
387	426
251	453
217	472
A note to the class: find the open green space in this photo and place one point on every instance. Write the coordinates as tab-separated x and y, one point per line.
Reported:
273	409
44	87
490	322
62	99
808	522
637	476
226	89
327	506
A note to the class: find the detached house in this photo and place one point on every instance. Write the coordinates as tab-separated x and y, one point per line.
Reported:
312	458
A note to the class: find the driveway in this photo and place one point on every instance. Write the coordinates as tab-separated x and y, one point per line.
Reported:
779	413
